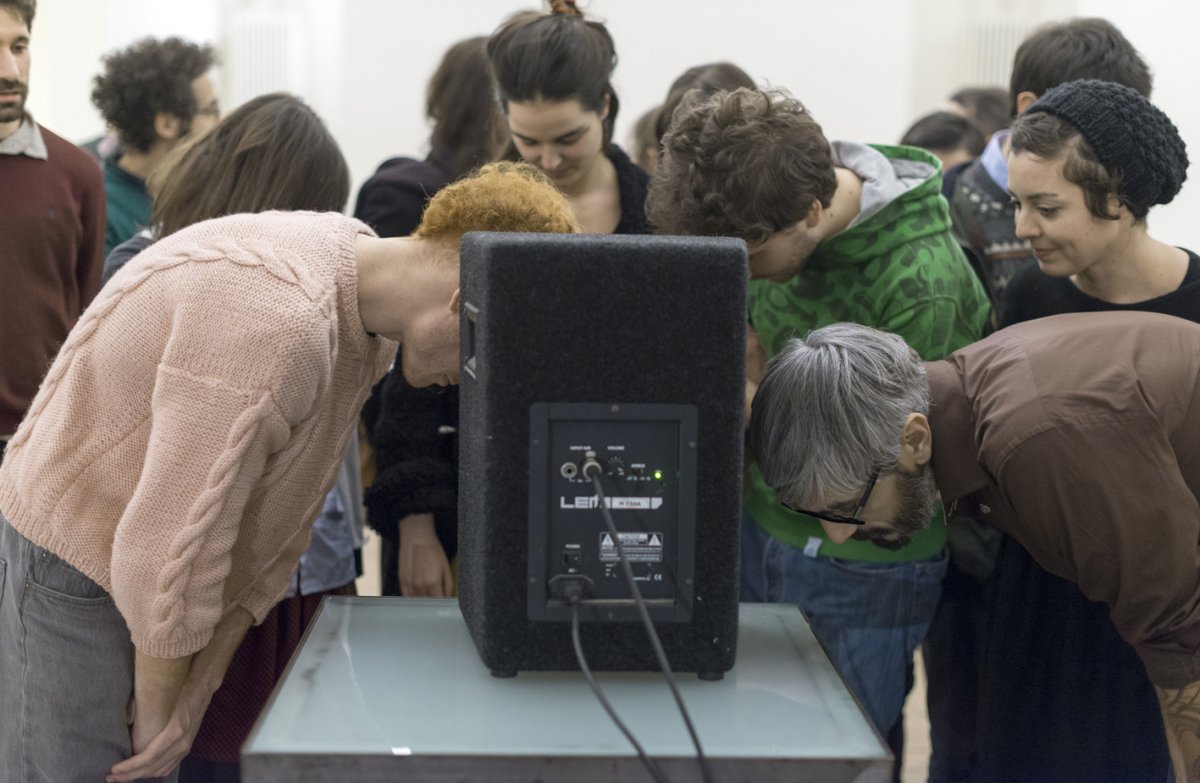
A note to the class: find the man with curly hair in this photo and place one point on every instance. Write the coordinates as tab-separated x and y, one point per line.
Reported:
836	232
52	225
156	498
153	94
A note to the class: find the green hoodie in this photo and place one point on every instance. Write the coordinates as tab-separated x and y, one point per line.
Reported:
896	267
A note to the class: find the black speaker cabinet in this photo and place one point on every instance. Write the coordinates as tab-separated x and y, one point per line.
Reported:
624	357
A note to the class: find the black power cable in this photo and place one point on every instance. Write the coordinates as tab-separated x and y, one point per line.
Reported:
663	663
655	771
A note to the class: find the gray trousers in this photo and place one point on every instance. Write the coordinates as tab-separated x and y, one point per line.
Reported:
66	669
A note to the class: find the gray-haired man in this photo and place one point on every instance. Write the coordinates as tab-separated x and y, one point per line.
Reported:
1078	435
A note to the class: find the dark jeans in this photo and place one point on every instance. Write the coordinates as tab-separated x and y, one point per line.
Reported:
869	617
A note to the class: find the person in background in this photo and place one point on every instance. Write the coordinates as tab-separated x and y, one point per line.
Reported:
271	153
553	74
643	141
708	79
1060	52
52	225
835	231
467	131
950	137
984	222
1082	196
412	501
153	95
988	108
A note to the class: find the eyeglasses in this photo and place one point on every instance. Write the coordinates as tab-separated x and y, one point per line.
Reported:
829	516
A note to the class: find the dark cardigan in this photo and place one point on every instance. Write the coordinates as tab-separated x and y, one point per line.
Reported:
411	430
632	183
393	199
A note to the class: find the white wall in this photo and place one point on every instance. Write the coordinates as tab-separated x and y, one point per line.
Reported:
368	60
1165	32
70	36
866	68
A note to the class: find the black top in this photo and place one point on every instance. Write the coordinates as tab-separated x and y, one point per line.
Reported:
411	430
1034	294
393	199
633	183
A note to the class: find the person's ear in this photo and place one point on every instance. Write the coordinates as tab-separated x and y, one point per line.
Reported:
455	300
813	218
167	126
1116	206
916	441
607	105
1025	100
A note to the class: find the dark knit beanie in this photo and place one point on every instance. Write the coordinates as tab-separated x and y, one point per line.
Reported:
1128	134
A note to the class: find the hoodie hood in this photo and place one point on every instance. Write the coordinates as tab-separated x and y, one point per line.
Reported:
901	201
884	178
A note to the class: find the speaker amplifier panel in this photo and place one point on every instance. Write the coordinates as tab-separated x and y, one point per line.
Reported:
645	458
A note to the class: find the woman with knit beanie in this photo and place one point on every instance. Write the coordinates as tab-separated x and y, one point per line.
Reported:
158	494
1063	696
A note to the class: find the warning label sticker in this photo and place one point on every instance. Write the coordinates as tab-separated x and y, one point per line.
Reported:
639	547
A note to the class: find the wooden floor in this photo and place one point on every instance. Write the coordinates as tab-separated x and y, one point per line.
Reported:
916	719
916	730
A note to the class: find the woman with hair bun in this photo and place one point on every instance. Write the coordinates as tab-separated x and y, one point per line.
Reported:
1063	697
553	73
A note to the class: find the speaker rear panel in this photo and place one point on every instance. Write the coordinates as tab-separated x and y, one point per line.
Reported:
597	320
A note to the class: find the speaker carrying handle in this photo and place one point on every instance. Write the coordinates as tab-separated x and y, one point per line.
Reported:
472	313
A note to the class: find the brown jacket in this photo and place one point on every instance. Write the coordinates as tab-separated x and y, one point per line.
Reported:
1079	436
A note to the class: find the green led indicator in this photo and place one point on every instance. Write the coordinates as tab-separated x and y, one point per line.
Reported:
658	474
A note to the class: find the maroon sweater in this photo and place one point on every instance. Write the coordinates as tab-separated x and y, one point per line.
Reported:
51	253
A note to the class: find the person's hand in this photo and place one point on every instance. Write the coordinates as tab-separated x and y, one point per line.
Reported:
756	368
160	741
756	357
751	390
424	569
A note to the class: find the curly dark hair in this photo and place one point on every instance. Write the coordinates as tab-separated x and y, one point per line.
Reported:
149	77
745	163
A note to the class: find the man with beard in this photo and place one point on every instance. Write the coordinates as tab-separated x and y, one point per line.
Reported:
1076	435
52	221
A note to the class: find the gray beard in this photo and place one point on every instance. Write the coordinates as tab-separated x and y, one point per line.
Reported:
918	498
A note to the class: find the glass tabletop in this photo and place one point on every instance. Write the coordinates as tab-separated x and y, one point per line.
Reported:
401	677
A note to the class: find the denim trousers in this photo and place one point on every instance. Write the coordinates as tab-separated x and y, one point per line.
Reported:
66	669
869	617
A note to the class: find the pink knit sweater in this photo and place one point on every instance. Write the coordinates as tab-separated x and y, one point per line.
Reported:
186	434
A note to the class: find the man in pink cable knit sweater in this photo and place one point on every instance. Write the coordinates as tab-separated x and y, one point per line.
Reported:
157	496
